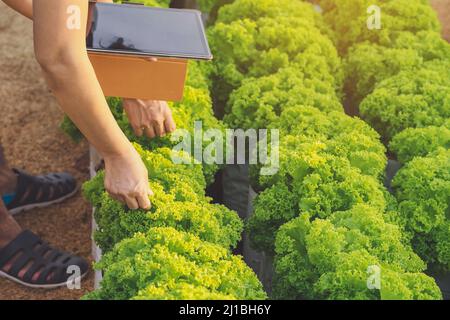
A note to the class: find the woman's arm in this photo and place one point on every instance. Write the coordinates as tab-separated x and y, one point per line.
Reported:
152	118
61	51
24	7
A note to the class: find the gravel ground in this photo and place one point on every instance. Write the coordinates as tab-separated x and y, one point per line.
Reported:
32	140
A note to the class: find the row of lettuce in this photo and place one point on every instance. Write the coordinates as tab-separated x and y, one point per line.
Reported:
182	247
326	215
398	79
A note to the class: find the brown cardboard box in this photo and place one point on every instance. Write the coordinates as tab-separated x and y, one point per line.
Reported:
136	77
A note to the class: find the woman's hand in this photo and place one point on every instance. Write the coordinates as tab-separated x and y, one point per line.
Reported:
149	117
126	179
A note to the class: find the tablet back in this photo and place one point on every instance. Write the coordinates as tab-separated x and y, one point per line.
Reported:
138	78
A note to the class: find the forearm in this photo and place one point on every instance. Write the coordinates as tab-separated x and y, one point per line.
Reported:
80	96
61	52
24	7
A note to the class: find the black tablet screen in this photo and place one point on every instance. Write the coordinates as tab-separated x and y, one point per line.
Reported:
144	30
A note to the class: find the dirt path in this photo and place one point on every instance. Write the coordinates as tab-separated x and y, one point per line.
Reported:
443	9
29	118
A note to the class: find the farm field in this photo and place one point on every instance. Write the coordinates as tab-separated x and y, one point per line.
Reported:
30	111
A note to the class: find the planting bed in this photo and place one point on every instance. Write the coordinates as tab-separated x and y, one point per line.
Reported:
326	217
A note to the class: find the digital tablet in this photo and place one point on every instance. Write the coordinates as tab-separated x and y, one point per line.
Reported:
147	31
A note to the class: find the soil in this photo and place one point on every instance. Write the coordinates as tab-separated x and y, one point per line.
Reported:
32	140
443	9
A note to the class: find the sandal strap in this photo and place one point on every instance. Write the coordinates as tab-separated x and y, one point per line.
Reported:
40	257
32	189
25	239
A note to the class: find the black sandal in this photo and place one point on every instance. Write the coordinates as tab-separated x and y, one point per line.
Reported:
30	261
41	191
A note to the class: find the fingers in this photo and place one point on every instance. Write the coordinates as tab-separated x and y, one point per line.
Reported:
170	124
118	197
143	198
135	202
138	130
132	203
131	109
159	128
143	201
156	129
150	132
150	118
139	200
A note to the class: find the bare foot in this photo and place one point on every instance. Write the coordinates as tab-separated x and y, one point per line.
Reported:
8	180
9	229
